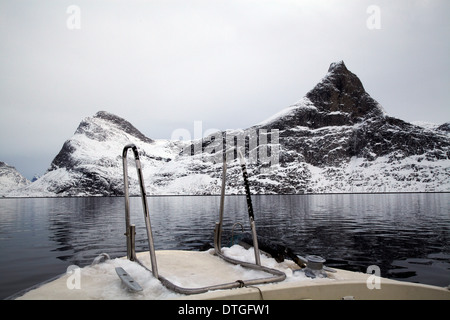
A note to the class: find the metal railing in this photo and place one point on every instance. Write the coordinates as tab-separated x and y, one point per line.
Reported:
130	234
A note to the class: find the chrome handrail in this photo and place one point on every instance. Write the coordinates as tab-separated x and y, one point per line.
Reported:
277	275
130	231
131	255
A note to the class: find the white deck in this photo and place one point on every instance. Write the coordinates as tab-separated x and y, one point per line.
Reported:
193	269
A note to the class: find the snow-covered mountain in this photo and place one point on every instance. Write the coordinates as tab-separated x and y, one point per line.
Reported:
10	179
344	141
90	162
335	139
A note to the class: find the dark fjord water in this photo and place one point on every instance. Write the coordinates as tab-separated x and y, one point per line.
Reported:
406	235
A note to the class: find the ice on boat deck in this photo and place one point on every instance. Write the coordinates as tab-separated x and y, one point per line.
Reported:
194	269
190	269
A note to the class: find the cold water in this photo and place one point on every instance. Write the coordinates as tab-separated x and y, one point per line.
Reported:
406	235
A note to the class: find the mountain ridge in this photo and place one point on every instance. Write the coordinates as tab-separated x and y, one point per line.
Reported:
10	179
337	138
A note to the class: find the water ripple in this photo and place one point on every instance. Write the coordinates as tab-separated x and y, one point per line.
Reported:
406	235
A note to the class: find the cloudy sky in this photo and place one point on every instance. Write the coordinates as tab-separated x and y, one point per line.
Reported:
163	64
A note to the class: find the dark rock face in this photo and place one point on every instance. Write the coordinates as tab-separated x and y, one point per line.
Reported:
348	123
385	136
336	139
342	91
90	183
64	158
90	170
99	134
444	127
338	100
94	131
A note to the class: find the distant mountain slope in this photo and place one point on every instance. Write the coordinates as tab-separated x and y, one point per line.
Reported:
339	139
90	162
10	179
335	139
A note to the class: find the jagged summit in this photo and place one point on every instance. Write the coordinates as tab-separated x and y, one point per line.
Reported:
90	154
337	65
353	125
342	91
335	139
90	127
338	99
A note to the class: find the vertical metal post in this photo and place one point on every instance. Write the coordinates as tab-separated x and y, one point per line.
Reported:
218	239
250	208
130	240
132	235
127	202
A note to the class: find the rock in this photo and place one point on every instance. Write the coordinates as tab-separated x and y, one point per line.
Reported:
337	138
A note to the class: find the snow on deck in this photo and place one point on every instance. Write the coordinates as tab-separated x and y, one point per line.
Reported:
190	269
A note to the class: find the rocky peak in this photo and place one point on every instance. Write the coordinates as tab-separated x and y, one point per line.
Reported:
336	139
100	128
444	127
338	67
96	131
339	99
342	91
10	179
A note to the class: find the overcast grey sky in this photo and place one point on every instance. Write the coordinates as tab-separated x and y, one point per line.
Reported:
229	63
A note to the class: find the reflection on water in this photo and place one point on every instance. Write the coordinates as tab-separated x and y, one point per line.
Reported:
406	235
355	231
